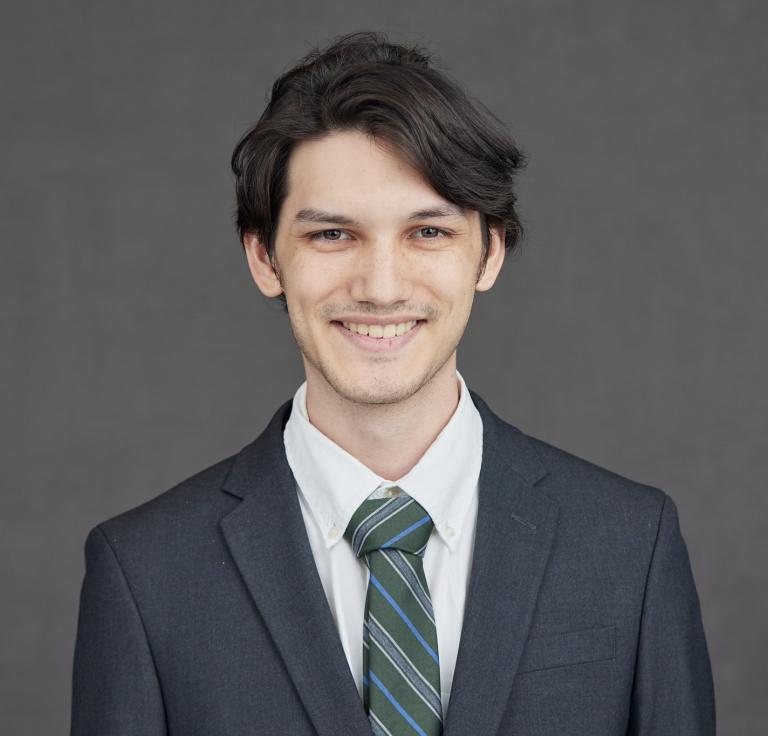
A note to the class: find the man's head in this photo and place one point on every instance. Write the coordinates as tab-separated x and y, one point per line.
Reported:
371	191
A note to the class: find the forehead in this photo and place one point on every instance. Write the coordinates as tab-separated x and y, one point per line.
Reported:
350	171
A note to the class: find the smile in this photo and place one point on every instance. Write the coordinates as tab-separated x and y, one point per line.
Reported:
381	331
380	338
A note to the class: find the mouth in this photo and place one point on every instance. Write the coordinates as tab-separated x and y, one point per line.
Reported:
380	337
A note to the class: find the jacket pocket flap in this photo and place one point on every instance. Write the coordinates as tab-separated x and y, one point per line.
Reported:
570	647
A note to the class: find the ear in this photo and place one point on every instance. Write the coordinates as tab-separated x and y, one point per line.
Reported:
261	268
496	253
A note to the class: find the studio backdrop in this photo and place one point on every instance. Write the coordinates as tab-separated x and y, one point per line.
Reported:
628	330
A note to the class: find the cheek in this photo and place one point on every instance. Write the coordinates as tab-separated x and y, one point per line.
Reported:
453	283
310	281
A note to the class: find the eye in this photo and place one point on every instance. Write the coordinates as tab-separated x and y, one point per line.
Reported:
334	235
432	233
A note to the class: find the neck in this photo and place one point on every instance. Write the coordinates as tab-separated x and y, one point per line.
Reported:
387	438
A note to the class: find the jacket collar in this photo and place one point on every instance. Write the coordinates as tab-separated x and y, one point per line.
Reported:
503	443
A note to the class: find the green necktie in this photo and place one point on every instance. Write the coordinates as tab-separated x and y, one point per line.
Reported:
401	670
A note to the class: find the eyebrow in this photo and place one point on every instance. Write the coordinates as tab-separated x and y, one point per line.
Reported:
310	214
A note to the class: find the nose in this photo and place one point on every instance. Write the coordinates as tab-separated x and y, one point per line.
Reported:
380	273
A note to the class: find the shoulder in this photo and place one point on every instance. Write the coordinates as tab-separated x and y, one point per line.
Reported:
569	480
200	495
574	478
563	473
192	506
604	520
600	508
589	496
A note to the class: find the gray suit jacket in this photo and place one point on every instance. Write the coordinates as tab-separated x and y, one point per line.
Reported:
202	612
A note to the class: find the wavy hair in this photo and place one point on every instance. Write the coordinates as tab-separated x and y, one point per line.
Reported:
394	93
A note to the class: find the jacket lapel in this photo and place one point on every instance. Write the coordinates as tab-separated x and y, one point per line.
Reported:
515	530
268	541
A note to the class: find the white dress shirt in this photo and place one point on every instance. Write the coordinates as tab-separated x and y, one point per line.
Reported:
332	484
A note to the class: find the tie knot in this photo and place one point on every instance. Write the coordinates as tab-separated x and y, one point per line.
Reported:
389	523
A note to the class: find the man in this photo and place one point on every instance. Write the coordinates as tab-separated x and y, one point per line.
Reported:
388	556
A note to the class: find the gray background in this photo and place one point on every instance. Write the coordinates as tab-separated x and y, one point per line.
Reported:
630	329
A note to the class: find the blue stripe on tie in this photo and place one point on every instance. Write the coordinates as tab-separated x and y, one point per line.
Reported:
403	533
391	698
405	618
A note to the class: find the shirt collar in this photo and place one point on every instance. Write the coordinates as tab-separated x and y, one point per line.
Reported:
334	483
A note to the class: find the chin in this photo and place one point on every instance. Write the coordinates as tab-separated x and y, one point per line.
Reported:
372	391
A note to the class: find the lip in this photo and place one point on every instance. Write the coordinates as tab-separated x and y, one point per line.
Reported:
366	320
379	344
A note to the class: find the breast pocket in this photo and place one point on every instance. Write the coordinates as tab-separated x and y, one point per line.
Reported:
570	647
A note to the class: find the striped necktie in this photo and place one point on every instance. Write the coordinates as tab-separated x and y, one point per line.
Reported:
401	672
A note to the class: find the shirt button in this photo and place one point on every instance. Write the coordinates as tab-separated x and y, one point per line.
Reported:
333	532
449	531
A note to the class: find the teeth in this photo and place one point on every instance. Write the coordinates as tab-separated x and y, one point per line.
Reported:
380	331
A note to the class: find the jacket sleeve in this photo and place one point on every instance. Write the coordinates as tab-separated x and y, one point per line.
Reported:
115	689
673	693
